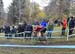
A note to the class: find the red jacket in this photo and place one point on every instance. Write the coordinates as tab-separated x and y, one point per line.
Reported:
64	23
38	28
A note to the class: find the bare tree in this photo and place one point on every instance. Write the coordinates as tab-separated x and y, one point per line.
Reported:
58	8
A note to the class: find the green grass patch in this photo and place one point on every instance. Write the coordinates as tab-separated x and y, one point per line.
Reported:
35	51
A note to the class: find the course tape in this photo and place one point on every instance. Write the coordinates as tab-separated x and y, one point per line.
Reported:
39	46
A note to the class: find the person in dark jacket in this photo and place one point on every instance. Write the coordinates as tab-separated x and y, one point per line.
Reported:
7	31
71	25
56	21
20	30
28	30
13	31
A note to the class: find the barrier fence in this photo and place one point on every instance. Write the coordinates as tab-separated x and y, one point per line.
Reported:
68	36
23	33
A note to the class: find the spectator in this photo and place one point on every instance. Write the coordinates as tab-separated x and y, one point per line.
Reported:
50	27
56	21
7	31
59	22
13	30
71	25
20	30
64	23
28	28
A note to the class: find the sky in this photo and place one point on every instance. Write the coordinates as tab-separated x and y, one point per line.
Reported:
42	4
6	3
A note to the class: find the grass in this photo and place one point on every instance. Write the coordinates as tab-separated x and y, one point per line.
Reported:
35	51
